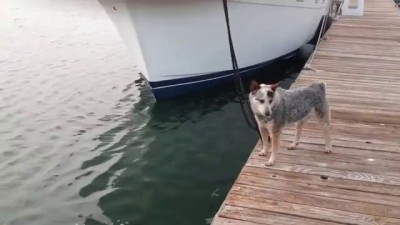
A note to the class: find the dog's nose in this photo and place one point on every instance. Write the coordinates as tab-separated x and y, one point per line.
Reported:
267	114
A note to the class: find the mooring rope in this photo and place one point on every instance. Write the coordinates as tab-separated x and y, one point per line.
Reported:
243	100
308	65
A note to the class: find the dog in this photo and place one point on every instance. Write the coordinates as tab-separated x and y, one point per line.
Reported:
274	108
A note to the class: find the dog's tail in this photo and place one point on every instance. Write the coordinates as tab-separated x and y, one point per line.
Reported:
322	86
327	110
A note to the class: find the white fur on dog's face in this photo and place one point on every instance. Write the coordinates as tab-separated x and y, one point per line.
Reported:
261	100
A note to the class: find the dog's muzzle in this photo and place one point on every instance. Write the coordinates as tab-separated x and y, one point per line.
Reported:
267	116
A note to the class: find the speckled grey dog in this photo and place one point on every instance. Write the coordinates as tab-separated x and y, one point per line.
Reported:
274	108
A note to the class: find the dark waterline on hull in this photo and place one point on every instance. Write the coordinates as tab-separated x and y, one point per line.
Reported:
265	72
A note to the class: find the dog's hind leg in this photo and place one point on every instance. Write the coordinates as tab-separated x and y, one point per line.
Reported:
299	127
325	129
265	141
275	148
324	117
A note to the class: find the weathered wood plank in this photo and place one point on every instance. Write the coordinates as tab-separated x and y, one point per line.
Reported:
355	63
343	82
320	213
323	160
314	189
266	217
304	152
366	40
327	172
227	221
362	138
346	143
329	66
293	196
318	179
348	153
371	132
363	157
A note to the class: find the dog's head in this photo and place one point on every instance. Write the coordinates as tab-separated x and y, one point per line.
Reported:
262	97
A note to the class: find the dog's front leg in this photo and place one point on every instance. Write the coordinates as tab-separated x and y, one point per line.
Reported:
264	136
275	148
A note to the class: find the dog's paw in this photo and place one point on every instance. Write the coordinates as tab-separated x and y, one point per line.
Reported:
270	163
262	153
292	146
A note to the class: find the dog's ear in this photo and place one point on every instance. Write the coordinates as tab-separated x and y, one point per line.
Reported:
254	86
274	86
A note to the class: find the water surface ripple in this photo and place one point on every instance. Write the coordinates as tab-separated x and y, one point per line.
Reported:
84	142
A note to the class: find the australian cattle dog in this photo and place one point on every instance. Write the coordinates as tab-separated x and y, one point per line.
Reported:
274	108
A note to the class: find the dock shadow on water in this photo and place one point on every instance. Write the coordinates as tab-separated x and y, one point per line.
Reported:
84	143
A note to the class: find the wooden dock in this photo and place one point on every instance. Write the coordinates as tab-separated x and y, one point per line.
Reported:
360	182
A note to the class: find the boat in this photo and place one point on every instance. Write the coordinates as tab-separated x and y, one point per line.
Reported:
181	46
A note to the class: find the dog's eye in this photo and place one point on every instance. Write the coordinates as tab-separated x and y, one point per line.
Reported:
261	101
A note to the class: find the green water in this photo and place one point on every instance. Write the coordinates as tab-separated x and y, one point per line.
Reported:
84	142
180	166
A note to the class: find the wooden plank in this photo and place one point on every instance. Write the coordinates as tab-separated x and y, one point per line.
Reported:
359	183
293	196
320	190
385	25
345	81
312	212
362	32
361	57
360	51
227	221
360	156
356	63
347	143
318	179
378	132
324	160
314	153
344	134
334	78
266	217
348	68
328	172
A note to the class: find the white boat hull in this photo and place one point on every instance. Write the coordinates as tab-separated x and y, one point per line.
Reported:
184	42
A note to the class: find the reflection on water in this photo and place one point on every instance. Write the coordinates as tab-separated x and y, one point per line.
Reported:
175	165
84	142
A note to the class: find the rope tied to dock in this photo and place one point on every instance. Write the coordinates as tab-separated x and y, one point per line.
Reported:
338	4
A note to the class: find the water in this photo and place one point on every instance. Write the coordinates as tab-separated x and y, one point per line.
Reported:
84	142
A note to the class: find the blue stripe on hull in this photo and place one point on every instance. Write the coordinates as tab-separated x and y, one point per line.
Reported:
176	87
